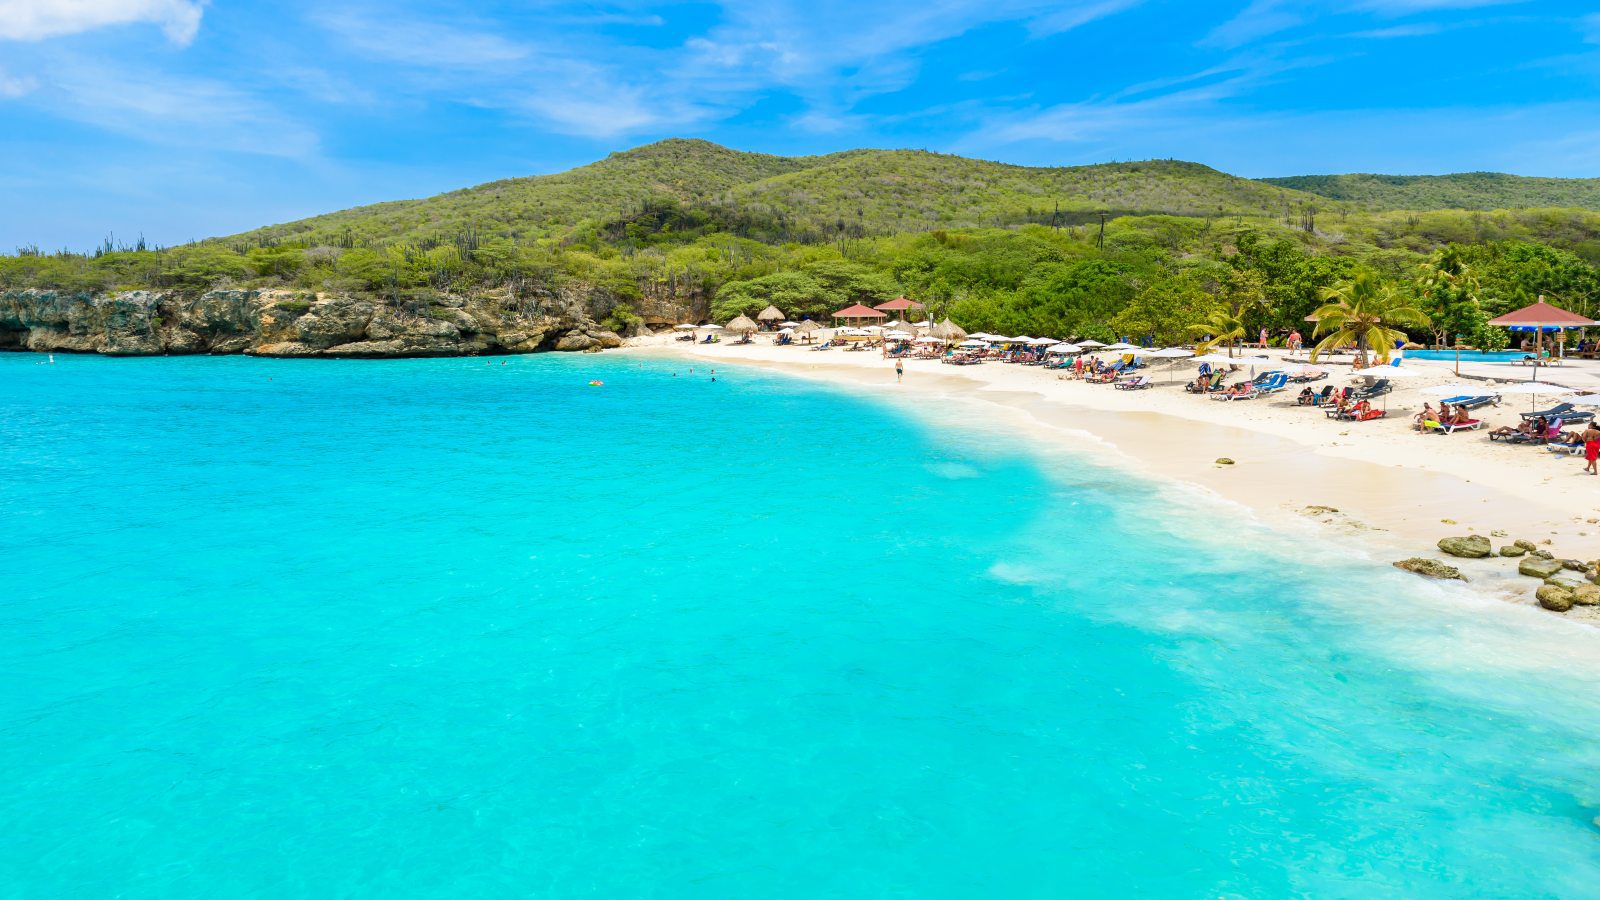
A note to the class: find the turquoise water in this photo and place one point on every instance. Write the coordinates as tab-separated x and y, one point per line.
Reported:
441	628
1468	355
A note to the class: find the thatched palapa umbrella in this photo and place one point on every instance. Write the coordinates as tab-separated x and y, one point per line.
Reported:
949	331
742	325
769	315
806	329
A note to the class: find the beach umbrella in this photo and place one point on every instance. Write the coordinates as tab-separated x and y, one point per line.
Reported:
1460	389
788	324
897	335
949	330
1215	358
742	325
1065	349
712	327
770	314
1121	345
1585	400
1023	339
1173	353
1044	342
975	344
930	339
1386	372
1534	389
1538	317
786	331
687	326
1090	344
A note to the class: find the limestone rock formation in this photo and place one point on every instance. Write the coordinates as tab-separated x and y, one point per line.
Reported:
297	323
1534	567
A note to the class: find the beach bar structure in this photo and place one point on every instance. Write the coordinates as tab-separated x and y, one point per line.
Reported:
857	315
1539	318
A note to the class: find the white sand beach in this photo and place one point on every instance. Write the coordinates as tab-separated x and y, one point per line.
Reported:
1380	482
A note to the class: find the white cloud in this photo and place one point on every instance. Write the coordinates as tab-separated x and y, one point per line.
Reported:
35	20
420	42
12	86
163	109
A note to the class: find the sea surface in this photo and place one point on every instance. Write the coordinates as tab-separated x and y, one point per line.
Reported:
453	628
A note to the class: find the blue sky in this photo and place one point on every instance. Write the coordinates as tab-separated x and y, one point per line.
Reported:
183	119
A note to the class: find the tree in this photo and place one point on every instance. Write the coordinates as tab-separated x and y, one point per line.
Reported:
1364	310
1448	292
1166	308
1221	327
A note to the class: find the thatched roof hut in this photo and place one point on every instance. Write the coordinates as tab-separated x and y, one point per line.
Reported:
743	324
806	326
770	314
949	331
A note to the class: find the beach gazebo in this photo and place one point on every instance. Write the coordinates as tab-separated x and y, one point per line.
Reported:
900	305
858	315
806	329
1539	318
769	315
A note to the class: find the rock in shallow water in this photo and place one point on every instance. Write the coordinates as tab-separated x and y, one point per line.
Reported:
1554	598
1432	568
1534	567
1472	546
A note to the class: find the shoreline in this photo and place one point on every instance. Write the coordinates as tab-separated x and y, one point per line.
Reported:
1372	493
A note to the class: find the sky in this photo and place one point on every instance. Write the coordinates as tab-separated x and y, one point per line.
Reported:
184	119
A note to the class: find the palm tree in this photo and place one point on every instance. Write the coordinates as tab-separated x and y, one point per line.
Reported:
1221	327
1363	310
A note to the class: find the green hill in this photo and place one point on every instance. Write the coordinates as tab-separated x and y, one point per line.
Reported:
868	191
1468	190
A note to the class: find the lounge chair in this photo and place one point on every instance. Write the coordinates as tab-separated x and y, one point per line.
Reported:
1376	389
1560	409
1272	382
1244	390
1471	401
1369	415
1136	384
1320	397
1468	425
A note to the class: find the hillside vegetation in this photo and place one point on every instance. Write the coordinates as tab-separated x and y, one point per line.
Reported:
688	230
1468	190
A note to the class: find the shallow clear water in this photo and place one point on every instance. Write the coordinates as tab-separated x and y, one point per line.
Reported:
441	628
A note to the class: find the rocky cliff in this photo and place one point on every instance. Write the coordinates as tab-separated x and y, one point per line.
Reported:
291	323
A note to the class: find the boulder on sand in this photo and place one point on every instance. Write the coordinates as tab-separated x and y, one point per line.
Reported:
1432	568
1574	565
1553	598
1566	584
1473	546
1587	595
1534	567
1513	550
1529	546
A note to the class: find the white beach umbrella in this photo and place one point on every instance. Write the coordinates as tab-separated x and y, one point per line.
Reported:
974	345
1119	345
1044	342
1023	339
712	327
1065	349
1089	344
686	327
1585	400
1461	389
788	324
929	339
1386	372
1534	388
897	335
1215	358
786	331
1173	353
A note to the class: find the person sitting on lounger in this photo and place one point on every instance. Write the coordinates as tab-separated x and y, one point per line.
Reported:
1460	416
1307	397
1427	415
1527	429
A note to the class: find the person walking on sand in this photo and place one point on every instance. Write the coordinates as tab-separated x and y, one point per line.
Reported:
1295	342
1591	448
899	370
